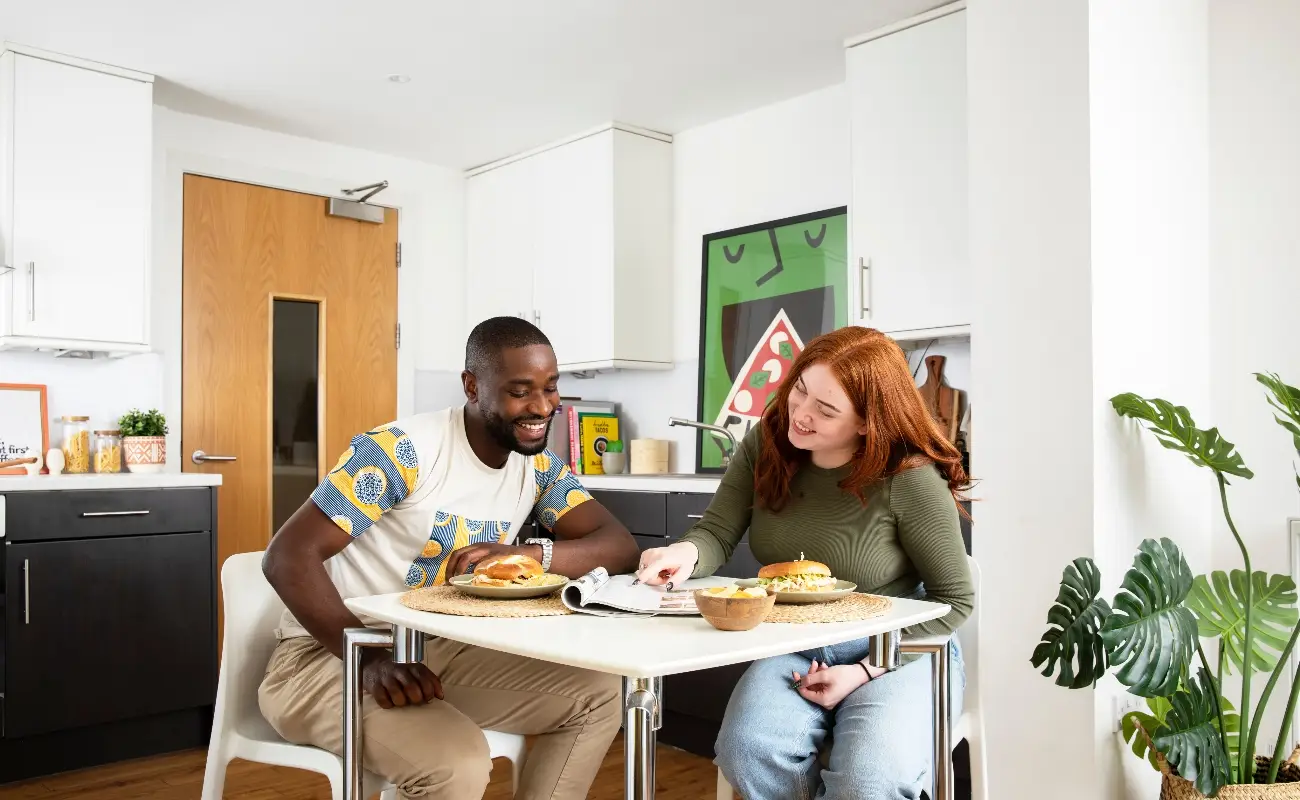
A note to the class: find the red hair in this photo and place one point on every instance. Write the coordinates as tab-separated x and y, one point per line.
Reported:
901	433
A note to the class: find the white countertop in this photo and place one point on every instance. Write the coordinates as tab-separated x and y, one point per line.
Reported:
121	480
639	648
708	484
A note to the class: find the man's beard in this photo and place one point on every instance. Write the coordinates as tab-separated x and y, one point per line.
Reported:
502	432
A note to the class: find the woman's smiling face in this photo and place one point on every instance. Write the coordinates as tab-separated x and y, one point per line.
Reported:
821	415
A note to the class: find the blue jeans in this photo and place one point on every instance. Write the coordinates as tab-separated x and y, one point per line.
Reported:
882	734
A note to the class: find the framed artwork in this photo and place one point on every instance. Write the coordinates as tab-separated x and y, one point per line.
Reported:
766	289
24	424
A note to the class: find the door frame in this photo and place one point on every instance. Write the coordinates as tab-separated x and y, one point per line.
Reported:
166	280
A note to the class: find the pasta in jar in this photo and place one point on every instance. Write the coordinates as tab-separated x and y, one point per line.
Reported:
76	445
108	451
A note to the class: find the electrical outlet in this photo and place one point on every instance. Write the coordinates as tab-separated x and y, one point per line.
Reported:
1121	704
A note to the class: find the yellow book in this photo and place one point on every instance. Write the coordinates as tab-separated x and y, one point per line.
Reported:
596	431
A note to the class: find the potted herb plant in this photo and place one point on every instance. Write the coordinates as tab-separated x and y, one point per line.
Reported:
1151	634
613	461
144	441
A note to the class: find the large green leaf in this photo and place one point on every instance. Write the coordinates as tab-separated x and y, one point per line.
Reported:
1076	618
1285	400
1220	608
1189	737
1139	729
1174	428
1151	635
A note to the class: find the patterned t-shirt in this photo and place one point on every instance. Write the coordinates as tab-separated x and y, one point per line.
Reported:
411	492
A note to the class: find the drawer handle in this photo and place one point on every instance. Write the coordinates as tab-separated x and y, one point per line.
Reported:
27	592
114	513
695	516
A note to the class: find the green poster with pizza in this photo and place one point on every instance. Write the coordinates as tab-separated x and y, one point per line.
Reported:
766	290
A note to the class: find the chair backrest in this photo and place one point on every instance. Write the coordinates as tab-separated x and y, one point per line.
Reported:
970	640
252	613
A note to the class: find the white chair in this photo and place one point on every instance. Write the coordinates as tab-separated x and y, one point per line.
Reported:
252	612
970	725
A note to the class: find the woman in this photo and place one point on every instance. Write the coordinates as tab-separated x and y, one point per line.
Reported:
847	468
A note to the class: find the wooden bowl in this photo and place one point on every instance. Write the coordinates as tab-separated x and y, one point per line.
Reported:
733	613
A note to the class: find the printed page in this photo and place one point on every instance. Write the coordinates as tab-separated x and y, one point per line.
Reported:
616	596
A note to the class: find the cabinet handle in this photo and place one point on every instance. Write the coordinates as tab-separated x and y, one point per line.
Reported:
695	516
114	513
27	592
864	285
31	291
537	318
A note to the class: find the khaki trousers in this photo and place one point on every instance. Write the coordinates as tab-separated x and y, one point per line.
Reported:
437	750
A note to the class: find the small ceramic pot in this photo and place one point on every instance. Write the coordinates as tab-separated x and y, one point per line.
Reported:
613	463
145	453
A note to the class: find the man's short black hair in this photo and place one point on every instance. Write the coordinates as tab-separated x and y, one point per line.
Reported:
491	336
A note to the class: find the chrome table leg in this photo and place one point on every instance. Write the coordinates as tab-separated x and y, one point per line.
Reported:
355	640
642	718
942	716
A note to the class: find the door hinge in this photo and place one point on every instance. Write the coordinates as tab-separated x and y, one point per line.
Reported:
399	255
397	338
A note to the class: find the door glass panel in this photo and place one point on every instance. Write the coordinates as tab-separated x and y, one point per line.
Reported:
295	423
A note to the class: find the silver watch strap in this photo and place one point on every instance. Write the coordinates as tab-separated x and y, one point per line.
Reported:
545	544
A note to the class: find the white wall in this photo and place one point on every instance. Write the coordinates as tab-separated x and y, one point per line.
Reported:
1089	218
777	161
1255	275
431	231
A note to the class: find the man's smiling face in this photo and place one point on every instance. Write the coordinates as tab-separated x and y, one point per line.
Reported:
519	398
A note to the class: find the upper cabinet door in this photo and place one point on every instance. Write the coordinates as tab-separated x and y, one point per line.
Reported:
501	244
81	185
573	283
908	220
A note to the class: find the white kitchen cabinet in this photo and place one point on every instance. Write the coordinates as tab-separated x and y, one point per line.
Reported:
75	178
908	220
578	238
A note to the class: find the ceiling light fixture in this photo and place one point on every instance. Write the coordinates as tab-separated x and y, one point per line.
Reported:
400	78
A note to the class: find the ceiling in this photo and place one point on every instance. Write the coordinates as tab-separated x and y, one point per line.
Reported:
488	77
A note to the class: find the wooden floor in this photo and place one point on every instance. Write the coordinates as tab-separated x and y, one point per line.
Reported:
679	776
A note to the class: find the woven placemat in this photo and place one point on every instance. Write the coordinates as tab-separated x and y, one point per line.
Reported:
852	608
449	600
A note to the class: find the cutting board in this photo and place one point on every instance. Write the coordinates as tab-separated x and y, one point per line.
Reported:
945	402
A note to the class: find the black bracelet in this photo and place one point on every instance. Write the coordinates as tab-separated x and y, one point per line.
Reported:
864	669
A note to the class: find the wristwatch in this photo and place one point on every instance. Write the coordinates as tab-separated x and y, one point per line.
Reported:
545	544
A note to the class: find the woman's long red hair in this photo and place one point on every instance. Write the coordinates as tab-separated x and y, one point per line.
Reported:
900	431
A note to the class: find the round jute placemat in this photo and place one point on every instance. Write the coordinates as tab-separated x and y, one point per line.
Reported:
853	608
449	600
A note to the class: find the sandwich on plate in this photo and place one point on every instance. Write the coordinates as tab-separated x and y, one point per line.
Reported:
797	576
512	570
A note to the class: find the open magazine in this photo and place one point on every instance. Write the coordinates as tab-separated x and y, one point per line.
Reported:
604	595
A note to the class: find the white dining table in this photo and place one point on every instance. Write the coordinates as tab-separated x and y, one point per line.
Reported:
642	650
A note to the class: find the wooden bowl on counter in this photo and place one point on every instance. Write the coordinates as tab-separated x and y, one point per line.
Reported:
733	613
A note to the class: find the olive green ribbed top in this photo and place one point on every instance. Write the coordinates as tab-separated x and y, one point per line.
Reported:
907	535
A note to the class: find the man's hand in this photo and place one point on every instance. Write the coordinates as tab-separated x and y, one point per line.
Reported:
393	684
462	560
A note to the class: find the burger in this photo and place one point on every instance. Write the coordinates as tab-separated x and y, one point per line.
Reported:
515	569
797	576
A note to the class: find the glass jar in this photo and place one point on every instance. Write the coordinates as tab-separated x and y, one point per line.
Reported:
76	445
108	451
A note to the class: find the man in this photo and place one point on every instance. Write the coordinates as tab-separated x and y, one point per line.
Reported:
409	505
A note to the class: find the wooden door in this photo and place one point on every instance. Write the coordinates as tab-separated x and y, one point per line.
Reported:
249	255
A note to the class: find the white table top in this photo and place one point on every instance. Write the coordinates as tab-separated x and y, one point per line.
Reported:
639	647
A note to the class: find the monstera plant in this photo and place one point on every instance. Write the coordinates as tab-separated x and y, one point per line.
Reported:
1152	632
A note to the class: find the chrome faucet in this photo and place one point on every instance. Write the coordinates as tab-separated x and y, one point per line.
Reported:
716	430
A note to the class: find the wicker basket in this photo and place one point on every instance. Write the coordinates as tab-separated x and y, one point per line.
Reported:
1172	787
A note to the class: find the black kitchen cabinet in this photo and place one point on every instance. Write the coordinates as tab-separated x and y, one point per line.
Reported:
108	645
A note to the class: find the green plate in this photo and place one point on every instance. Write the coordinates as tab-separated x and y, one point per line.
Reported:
462	582
842	589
